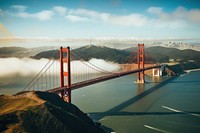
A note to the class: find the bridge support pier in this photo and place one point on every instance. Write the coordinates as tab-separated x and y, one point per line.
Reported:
66	92
140	61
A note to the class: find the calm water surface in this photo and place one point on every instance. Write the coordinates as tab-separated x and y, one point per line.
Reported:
106	95
167	105
161	105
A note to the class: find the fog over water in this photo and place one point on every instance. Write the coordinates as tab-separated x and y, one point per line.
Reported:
21	67
28	66
16	73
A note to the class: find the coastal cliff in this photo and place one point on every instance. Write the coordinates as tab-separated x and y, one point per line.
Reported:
42	112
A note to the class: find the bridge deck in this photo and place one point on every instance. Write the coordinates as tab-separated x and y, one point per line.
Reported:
100	79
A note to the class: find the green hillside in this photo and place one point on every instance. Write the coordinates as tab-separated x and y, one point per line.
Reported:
12	51
88	52
22	52
108	54
163	54
51	54
188	58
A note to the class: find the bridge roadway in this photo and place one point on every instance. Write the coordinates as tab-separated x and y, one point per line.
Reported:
100	79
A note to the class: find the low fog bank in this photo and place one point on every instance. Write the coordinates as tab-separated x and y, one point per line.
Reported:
16	73
30	67
93	66
21	67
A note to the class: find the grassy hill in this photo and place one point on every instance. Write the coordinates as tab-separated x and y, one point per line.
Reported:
42	112
12	51
188	59
163	54
51	54
21	52
88	52
108	54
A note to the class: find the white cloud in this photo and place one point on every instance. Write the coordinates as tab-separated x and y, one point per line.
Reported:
155	10
74	18
89	14
43	15
194	15
128	20
84	12
20	11
20	8
23	14
61	10
180	12
180	17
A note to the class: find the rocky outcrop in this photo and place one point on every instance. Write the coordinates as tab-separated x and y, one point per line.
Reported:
169	72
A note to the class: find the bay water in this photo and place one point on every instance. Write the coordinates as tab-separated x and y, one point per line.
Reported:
162	104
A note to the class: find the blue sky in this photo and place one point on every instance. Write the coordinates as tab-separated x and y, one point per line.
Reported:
160	19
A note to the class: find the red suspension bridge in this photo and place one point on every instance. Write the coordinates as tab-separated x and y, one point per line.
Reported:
64	76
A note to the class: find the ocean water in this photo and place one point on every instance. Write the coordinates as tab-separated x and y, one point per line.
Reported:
162	104
108	94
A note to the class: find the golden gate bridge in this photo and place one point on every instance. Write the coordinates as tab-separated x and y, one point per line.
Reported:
64	76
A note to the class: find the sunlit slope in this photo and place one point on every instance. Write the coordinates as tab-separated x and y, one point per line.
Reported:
42	112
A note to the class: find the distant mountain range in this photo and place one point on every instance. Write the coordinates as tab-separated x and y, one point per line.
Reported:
177	45
121	43
188	58
152	54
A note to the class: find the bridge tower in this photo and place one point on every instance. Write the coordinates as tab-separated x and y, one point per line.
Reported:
65	75
140	61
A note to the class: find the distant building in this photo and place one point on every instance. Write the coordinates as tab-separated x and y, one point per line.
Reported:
171	60
190	60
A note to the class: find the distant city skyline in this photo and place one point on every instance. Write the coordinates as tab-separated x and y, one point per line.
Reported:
159	19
